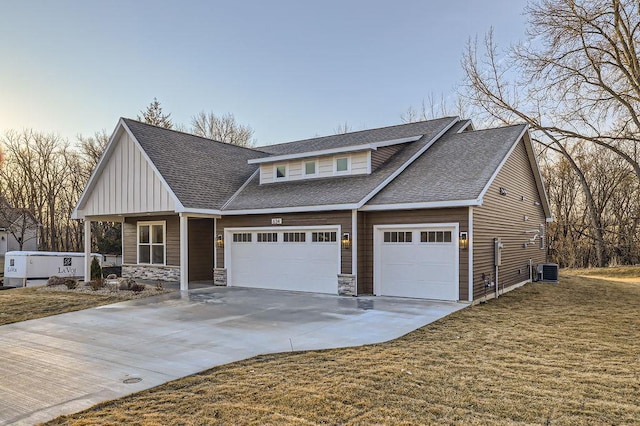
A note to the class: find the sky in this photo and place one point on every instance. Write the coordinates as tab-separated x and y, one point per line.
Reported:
291	69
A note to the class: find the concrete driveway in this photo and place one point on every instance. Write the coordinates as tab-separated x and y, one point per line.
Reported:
69	362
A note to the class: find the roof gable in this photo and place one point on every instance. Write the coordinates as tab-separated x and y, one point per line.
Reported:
457	170
125	181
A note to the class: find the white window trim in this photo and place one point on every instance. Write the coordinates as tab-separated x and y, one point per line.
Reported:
304	168
275	172
335	165
164	239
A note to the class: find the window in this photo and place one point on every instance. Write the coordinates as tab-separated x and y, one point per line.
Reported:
310	168
267	237
151	243
243	237
294	237
342	164
281	171
435	237
323	237
398	237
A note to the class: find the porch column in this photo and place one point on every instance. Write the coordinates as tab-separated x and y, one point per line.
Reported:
184	252
87	249
354	248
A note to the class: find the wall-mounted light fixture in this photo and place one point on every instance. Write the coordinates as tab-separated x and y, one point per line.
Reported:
464	240
2	238
503	191
346	240
220	241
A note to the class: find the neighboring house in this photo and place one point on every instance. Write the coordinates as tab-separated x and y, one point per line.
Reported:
412	210
17	226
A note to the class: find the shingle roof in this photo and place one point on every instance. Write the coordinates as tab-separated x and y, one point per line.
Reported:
202	173
9	214
335	191
457	167
358	138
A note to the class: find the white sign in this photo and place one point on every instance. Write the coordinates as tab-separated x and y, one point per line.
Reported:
276	221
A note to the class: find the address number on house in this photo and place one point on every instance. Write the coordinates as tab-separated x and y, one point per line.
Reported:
276	221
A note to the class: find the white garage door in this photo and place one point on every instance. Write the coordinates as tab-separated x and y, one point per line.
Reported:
284	259
417	261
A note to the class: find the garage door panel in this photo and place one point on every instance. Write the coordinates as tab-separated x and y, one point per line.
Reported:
296	266
416	268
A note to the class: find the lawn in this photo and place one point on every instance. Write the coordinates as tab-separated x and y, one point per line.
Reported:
543	354
21	304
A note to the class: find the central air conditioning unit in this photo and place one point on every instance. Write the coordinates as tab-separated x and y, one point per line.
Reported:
547	272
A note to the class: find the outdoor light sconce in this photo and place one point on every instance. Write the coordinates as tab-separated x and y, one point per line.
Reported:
2	238
464	240
346	240
220	241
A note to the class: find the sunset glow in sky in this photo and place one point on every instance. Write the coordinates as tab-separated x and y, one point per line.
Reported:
290	69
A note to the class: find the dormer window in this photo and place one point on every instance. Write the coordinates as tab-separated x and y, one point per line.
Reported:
311	168
281	171
342	164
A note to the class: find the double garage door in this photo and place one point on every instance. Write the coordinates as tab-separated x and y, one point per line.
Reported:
419	261
284	259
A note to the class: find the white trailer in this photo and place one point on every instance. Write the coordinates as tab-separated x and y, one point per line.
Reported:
23	266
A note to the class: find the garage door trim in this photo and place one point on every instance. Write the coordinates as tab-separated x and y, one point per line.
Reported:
228	238
378	231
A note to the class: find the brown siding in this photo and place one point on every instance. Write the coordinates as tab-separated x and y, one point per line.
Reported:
379	156
200	249
129	244
365	237
342	218
503	216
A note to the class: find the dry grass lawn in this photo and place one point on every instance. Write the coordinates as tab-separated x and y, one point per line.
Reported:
544	354
23	304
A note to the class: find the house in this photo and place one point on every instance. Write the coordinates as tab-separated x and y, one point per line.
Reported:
18	228
432	209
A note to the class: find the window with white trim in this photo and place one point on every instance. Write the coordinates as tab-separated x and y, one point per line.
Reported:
280	171
151	243
398	237
323	237
435	237
310	168
267	237
342	164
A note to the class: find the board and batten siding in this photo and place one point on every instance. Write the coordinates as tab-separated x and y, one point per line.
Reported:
367	220
508	217
324	167
130	240
341	218
127	184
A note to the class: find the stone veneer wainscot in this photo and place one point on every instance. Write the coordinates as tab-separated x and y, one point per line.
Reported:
152	273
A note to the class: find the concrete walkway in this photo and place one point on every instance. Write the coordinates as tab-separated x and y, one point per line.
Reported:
65	363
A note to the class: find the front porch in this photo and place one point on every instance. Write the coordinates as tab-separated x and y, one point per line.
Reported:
155	247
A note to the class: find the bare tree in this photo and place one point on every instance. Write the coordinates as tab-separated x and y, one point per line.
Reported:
154	115
222	129
576	79
342	129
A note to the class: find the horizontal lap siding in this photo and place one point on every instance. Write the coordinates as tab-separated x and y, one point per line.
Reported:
200	249
502	216
130	243
369	219
341	218
381	155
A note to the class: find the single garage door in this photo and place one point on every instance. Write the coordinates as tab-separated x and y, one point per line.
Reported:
420	261
284	259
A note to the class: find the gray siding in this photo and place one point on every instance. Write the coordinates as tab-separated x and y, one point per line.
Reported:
503	216
365	240
381	155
